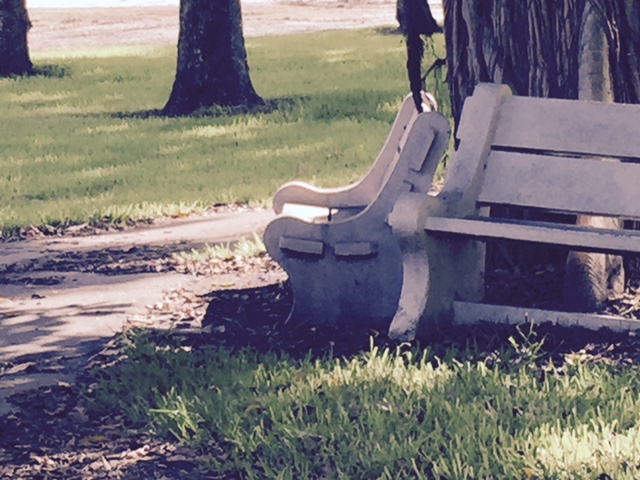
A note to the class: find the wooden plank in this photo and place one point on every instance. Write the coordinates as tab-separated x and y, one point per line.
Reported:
597	128
577	185
576	237
472	313
301	245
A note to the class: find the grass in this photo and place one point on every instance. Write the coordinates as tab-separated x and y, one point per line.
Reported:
243	248
81	142
510	412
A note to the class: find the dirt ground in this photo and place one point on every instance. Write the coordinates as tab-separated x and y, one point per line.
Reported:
64	29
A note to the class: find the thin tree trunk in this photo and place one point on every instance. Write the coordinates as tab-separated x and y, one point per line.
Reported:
14	25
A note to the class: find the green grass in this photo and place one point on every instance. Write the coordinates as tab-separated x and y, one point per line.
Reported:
78	143
243	248
507	413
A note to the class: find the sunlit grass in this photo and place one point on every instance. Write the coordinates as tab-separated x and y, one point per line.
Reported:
509	413
242	248
83	141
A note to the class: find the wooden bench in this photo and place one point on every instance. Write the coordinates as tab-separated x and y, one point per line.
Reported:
344	262
566	156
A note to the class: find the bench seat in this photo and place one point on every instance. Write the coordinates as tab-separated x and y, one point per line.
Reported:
579	159
579	238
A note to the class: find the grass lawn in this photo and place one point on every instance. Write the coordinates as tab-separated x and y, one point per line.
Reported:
81	142
481	404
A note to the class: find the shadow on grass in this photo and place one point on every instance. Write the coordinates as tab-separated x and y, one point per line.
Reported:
269	106
257	319
389	31
50	71
321	106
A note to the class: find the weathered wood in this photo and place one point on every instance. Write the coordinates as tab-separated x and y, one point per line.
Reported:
471	313
573	236
595	128
579	185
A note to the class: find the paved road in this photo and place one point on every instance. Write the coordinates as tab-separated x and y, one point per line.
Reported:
65	315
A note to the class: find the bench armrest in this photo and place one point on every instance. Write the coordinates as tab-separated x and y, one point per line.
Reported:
304	194
363	191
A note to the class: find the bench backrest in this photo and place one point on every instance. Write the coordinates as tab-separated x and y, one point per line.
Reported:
563	155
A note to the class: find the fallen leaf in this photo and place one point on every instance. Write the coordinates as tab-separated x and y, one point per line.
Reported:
21	367
93	439
106	464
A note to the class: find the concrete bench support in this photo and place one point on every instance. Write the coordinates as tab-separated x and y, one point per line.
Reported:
344	262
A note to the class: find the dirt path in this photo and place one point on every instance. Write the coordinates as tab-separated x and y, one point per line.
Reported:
62	296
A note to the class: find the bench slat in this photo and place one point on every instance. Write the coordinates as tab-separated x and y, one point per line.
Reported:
579	238
594	128
470	313
559	183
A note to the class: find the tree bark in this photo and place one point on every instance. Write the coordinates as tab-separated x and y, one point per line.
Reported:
533	46
416	20
212	64
14	25
591	278
529	45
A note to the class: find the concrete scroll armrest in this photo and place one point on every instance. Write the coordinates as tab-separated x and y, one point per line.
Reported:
348	266
301	193
364	190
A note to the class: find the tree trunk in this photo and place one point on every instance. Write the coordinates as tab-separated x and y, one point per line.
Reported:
539	49
416	20
591	278
14	24
416	14
212	61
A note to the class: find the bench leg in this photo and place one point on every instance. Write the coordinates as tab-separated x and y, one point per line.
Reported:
334	285
413	298
451	270
436	271
456	272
